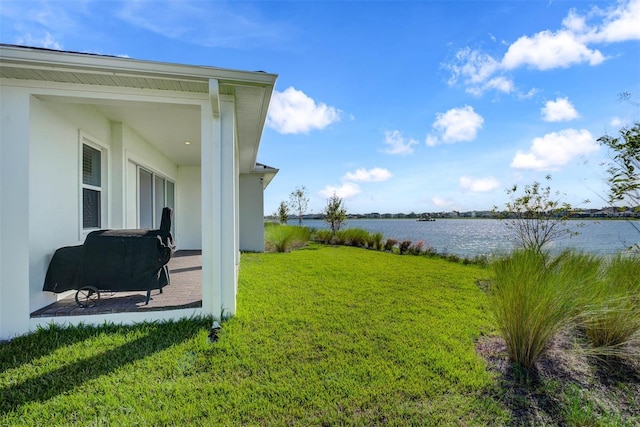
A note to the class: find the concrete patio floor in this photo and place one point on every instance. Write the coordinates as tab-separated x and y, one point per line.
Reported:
185	291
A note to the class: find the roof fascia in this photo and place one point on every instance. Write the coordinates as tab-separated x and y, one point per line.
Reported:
78	62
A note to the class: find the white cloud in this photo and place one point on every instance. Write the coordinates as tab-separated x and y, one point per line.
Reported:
619	23
47	41
397	144
347	190
473	66
616	122
292	111
548	50
555	149
443	202
479	185
500	84
371	175
559	110
456	125
570	45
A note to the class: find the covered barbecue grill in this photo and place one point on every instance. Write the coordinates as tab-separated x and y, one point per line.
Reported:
113	260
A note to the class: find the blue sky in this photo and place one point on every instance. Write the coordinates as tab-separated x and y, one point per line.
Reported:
394	106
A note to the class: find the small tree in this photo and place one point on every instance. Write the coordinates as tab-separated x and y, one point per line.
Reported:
298	200
537	217
334	213
283	212
624	172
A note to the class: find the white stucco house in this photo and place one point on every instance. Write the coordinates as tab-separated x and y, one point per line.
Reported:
94	142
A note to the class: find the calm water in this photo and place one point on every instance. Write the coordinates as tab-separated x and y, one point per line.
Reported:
470	237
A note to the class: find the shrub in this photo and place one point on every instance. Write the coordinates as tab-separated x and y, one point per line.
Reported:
353	237
390	244
374	241
416	248
533	300
614	323
281	238
404	246
324	236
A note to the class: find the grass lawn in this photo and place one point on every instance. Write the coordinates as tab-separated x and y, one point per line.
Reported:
323	336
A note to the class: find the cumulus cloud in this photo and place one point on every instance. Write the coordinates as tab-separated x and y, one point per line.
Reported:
547	50
571	44
456	125
479	185
371	175
559	110
555	149
619	24
292	111
345	191
397	144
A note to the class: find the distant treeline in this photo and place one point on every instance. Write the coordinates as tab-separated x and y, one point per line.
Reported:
607	212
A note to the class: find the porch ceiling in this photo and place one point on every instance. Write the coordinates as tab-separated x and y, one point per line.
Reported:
166	126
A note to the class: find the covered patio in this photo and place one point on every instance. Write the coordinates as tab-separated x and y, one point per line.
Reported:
95	142
185	291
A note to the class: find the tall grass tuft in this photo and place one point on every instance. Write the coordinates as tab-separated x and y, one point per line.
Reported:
614	325
324	236
374	241
353	237
533	300
282	238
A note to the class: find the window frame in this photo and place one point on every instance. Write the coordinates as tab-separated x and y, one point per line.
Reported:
155	220
103	188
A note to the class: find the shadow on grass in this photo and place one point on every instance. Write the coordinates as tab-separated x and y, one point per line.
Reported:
158	336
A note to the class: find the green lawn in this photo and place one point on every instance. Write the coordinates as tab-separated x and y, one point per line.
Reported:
323	336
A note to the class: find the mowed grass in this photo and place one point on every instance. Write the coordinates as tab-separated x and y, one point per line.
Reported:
322	336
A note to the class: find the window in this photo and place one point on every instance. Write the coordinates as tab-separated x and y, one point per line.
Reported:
92	185
155	192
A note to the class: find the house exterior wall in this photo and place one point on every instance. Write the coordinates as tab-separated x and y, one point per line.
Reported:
189	199
54	167
251	213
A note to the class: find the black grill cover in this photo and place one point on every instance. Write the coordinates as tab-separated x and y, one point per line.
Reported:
117	260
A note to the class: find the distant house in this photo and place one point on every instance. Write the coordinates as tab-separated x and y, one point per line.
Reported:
91	141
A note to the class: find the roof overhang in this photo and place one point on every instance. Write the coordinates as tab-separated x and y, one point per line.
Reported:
266	173
251	90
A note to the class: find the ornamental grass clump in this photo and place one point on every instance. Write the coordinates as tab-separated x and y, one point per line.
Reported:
353	237
374	241
533	297
324	236
613	326
281	238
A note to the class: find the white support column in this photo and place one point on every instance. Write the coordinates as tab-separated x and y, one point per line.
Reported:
211	226
14	212
228	211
